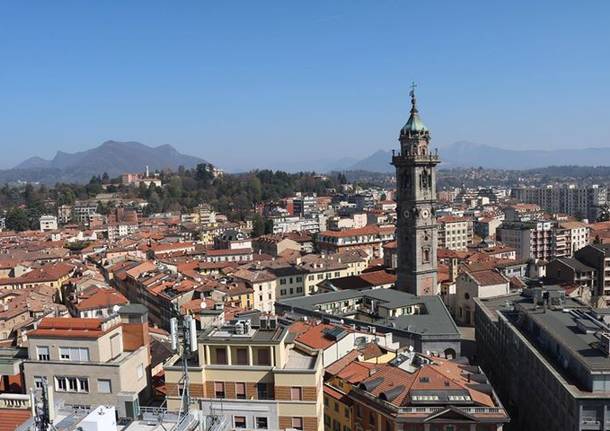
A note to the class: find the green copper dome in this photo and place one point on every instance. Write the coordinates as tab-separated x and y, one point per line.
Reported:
414	124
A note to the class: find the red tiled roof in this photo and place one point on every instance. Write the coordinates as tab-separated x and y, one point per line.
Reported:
11	419
73	327
101	298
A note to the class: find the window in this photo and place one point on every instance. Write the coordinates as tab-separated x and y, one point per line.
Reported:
299	279
283	292
299	290
219	389
43	353
83	384
74	354
221	356
326	401
336	406
262	391
240	391
282	281
263	357
104	386
242	356
39	382
297	423
71	384
372	418
239	421
296	393
261	423
327	420
140	371
347	412
61	385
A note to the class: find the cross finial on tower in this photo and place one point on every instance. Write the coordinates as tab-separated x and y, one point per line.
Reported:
412	94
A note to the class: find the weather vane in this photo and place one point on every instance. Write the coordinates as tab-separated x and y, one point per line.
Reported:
413	86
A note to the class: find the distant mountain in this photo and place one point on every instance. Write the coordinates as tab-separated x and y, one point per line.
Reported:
112	157
379	161
469	154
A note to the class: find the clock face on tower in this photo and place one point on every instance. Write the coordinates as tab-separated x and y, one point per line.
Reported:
425	214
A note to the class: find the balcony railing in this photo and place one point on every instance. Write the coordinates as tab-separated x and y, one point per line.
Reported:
14	401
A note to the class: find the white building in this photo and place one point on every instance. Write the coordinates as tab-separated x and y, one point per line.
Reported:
48	223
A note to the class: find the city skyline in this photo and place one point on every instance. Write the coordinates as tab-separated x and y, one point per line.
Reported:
287	82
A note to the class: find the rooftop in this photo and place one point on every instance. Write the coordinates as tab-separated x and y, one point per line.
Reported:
433	321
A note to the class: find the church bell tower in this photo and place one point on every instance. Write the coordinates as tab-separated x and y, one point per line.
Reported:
416	230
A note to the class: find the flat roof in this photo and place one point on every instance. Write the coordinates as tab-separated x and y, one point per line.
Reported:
435	322
560	324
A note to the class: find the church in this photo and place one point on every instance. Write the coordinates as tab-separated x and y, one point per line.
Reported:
416	229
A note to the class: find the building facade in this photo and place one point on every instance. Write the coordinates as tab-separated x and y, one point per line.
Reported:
583	202
250	371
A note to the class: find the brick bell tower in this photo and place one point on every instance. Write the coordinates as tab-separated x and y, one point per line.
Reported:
416	230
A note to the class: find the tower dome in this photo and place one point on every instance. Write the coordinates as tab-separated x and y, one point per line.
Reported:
414	124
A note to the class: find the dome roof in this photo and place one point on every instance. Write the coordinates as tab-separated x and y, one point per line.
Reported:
414	123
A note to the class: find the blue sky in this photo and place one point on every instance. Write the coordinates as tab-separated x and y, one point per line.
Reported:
262	83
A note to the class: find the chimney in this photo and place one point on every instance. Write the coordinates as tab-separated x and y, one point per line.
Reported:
134	320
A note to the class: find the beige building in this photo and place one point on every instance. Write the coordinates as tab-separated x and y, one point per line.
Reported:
88	362
454	233
251	370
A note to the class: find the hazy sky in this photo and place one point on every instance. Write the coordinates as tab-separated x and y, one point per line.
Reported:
255	83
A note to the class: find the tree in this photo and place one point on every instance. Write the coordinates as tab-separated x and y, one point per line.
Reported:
258	226
17	220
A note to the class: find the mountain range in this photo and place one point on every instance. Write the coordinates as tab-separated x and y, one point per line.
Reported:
466	154
116	158
112	157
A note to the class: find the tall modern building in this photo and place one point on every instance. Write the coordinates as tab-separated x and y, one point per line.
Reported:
577	201
416	234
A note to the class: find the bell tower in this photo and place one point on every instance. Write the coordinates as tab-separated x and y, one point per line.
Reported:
416	230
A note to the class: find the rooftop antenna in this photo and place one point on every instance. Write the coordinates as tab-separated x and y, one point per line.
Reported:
184	346
43	411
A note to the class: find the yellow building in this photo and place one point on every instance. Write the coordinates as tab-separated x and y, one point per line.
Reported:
252	370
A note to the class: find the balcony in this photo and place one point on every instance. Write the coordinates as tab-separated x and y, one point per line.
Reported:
14	401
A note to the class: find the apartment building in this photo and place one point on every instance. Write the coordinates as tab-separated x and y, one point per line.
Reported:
535	239
313	223
547	357
369	239
411	392
577	235
82	211
251	371
454	233
89	362
304	205
263	284
577	201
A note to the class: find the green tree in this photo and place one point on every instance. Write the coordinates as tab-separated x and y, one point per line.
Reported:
17	220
